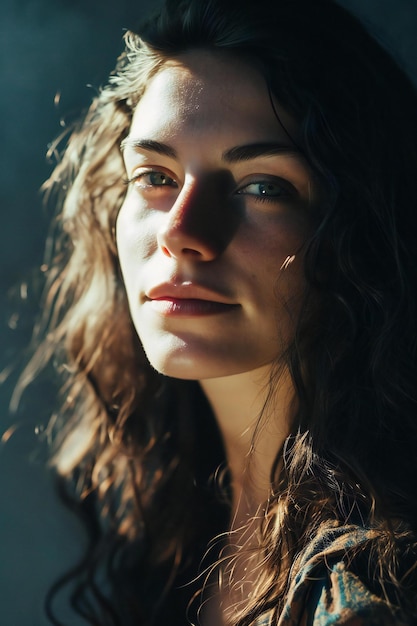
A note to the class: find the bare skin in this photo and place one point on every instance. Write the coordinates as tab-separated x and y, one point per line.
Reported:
237	402
251	447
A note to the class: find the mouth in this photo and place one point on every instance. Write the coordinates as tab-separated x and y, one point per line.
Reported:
187	300
189	307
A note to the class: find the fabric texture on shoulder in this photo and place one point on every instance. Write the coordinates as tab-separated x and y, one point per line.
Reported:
326	593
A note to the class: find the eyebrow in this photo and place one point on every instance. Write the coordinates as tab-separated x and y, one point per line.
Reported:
254	150
233	155
150	145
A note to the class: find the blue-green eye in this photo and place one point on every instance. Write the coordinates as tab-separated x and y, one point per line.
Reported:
157	179
152	178
265	190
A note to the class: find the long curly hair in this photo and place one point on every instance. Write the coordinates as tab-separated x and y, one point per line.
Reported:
129	437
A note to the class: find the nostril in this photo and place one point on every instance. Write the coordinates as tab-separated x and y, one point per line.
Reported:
165	251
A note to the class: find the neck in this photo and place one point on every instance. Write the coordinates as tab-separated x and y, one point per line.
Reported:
254	423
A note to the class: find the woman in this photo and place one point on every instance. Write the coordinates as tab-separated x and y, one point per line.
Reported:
235	323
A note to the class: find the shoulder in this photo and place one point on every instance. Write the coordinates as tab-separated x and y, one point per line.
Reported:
327	591
340	597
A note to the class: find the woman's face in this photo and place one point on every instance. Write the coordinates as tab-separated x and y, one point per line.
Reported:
218	208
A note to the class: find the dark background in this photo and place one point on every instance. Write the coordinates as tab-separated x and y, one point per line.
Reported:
65	48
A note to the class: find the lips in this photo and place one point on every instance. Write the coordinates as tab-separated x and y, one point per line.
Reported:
186	291
187	299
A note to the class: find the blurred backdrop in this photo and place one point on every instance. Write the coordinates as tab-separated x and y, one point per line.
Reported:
54	54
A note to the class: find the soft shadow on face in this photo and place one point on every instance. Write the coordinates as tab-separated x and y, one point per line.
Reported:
218	209
213	222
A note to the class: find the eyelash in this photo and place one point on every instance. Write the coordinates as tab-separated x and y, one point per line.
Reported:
287	191
141	175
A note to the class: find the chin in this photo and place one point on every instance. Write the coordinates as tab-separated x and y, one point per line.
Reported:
182	366
171	358
195	359
186	366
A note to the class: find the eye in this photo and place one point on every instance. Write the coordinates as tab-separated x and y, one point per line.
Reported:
265	190
147	179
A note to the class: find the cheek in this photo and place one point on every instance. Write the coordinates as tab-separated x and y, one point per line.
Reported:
276	265
275	245
135	236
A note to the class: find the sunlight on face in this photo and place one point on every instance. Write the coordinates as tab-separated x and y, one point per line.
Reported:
211	230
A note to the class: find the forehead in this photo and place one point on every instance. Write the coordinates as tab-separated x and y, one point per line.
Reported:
210	90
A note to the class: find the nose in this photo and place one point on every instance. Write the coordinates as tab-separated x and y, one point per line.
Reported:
200	225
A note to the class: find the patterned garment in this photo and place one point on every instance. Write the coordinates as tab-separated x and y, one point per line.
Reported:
326	593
